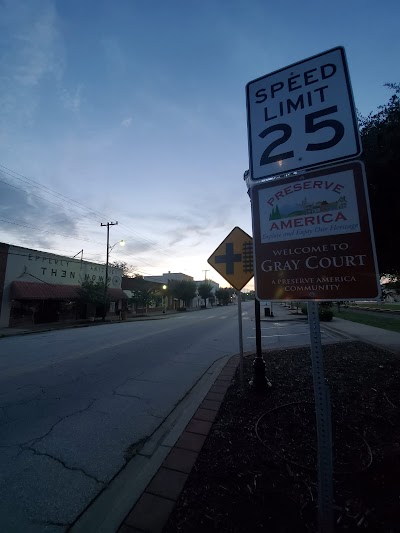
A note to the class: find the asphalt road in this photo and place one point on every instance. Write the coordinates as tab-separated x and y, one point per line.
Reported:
74	402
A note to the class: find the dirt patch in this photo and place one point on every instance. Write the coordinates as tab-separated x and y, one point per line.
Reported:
257	469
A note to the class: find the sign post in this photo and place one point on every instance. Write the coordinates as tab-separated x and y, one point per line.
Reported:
240	325
233	260
324	424
312	232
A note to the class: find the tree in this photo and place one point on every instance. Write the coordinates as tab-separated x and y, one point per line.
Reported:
91	294
182	290
380	135
205	291
224	296
142	298
128	271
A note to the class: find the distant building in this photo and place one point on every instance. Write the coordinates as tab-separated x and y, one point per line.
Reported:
215	287
164	278
40	287
179	276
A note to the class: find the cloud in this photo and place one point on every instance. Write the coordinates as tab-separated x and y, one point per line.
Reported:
32	54
115	56
27	218
71	100
126	122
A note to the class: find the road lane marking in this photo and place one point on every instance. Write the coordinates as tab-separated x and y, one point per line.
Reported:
286	335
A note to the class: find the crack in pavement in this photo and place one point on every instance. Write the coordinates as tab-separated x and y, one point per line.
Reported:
151	410
50	523
60	461
37	439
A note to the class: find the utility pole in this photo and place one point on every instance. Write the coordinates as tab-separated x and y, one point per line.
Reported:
108	224
205	274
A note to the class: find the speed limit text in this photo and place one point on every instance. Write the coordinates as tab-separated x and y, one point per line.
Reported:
308	97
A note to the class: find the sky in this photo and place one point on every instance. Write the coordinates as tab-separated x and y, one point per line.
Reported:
134	111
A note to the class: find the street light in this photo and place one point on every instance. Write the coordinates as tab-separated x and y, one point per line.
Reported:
163	304
121	243
109	248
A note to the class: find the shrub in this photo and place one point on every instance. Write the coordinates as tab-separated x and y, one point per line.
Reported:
325	315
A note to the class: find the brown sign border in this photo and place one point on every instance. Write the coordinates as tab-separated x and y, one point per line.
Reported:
284	285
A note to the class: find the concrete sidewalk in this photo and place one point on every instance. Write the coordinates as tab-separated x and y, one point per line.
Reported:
383	338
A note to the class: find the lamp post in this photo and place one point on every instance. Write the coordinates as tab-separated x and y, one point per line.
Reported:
163	303
109	248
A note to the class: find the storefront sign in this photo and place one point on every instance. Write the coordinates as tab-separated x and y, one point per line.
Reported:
30	265
313	237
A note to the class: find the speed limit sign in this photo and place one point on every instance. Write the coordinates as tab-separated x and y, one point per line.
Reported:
302	116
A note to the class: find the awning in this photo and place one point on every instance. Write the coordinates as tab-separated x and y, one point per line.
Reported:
116	294
26	290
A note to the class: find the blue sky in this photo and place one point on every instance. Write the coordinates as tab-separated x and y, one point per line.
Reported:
136	110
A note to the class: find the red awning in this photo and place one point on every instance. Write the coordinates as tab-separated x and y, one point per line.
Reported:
26	290
116	294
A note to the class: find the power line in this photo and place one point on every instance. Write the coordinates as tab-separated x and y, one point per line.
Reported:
30	226
30	181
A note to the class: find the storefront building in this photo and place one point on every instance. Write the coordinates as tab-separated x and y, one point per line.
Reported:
38	287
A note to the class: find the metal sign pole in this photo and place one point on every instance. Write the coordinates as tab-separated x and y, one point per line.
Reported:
259	380
324	424
239	301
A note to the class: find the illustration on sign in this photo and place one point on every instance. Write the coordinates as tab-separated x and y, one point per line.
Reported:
313	238
233	259
309	208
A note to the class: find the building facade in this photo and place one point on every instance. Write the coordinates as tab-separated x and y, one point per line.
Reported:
38	287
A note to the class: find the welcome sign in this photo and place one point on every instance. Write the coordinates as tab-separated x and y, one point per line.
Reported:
313	238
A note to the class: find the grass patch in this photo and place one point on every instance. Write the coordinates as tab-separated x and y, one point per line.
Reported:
379	305
378	321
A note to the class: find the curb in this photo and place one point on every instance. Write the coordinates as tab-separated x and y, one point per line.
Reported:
141	318
109	509
152	510
88	325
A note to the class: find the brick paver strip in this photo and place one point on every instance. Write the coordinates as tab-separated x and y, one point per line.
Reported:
219	388
225	384
128	529
167	483
224	378
190	441
199	426
227	372
209	404
182	460
205	414
215	396
150	513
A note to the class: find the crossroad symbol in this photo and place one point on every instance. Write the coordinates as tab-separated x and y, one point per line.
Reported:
233	259
229	259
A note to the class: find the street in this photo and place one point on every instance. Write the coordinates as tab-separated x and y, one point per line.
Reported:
74	402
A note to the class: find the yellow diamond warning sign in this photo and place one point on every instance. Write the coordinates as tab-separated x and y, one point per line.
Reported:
233	259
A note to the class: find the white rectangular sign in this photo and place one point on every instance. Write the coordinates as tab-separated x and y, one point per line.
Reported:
302	116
